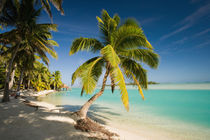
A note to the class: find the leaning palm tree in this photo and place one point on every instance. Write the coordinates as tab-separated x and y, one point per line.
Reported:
26	34
123	48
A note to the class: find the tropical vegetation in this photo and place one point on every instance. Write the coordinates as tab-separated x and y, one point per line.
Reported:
26	42
44	3
123	49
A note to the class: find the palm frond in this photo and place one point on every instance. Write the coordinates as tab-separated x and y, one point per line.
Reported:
56	3
52	43
82	91
110	55
112	58
119	79
107	26
131	22
132	67
86	44
147	56
47	27
127	37
139	86
100	21
91	74
116	18
83	67
80	69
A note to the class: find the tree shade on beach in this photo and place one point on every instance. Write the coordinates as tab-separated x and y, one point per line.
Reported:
26	38
123	47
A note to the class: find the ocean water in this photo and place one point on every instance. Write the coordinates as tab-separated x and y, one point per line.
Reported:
181	111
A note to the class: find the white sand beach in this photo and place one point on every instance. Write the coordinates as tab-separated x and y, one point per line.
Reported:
22	122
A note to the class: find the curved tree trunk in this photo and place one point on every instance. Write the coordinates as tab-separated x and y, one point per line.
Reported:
84	109
12	78
6	87
28	84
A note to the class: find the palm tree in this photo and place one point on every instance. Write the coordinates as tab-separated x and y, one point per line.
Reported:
25	59
3	65
4	60
45	3
123	48
40	74
57	4
26	34
56	80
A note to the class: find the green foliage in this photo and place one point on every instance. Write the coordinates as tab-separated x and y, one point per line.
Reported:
43	79
56	80
87	44
110	55
27	33
89	73
56	3
124	47
131	68
2	75
27	42
147	56
46	4
119	79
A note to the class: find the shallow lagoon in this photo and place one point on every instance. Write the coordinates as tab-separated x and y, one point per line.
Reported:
175	111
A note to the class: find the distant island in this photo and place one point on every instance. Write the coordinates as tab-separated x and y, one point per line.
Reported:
150	83
133	84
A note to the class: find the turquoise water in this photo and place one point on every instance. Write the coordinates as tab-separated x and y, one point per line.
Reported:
189	106
170	111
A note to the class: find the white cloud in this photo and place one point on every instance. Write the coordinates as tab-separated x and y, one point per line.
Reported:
202	32
203	44
190	20
149	20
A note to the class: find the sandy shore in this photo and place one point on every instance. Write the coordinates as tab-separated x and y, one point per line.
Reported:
22	122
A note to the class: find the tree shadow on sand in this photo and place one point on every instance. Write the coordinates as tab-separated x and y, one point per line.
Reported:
21	122
93	112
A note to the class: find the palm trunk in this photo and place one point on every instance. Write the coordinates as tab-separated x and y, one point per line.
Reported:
28	84
12	78
6	87
20	80
84	109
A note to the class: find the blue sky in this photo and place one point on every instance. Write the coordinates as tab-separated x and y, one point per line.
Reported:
179	30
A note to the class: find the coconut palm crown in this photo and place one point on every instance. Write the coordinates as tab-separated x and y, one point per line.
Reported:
46	4
26	34
123	48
